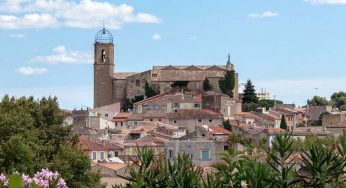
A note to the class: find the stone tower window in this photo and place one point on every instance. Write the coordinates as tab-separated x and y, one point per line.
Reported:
103	56
138	83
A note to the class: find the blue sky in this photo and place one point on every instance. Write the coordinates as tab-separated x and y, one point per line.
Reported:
288	47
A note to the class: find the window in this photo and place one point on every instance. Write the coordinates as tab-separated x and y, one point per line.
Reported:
135	123
106	115
210	120
175	105
102	155
225	147
154	107
110	153
138	83
94	155
154	75
116	154
159	119
199	120
197	105
205	155
170	153
175	121
103	56
151	119
121	123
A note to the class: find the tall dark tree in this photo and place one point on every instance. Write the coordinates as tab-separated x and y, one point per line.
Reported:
227	125
149	91
206	85
180	84
249	93
283	124
227	83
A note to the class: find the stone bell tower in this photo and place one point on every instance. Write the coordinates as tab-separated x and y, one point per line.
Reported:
103	68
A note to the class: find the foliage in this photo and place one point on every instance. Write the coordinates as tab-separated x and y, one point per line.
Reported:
129	102
249	107
206	85
249	93
268	103
227	83
227	125
283	123
149	91
339	100
180	84
318	101
323	167
32	135
280	160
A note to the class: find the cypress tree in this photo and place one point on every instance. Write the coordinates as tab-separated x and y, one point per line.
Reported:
283	124
227	83
206	85
249	95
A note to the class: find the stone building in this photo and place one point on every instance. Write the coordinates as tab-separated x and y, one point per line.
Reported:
111	87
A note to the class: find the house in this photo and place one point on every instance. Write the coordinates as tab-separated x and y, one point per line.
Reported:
221	103
100	150
190	118
314	112
213	132
202	152
247	117
107	112
291	116
302	132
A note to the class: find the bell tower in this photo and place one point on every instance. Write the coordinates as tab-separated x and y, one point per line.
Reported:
103	68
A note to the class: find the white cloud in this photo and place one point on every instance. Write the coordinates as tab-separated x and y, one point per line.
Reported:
326	1
61	55
63	13
17	35
156	37
266	14
299	90
31	70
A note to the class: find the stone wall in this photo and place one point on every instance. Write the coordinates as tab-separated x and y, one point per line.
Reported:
119	91
135	84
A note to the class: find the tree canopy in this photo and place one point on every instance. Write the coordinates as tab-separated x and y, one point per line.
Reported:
339	100
283	123
249	93
227	83
318	101
33	136
206	85
149	91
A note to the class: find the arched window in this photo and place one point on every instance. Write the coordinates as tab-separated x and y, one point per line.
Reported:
103	56
138	83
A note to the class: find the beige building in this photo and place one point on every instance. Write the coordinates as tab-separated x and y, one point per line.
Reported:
111	87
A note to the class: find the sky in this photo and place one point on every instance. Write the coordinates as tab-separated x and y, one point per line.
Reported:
295	49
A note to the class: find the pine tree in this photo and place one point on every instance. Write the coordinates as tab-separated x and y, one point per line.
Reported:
206	85
249	95
283	124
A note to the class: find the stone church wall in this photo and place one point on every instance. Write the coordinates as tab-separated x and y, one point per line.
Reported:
119	90
135	84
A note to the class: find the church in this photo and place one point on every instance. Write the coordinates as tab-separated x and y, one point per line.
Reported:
111	87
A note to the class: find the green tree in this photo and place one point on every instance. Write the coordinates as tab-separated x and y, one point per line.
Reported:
129	102
206	85
283	124
279	158
32	133
323	167
227	83
180	84
339	100
249	93
149	91
256	174
268	103
227	125
318	101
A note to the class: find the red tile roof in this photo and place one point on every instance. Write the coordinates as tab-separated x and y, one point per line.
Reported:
215	129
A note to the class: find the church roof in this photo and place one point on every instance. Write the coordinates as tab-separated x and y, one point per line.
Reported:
123	75
183	75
